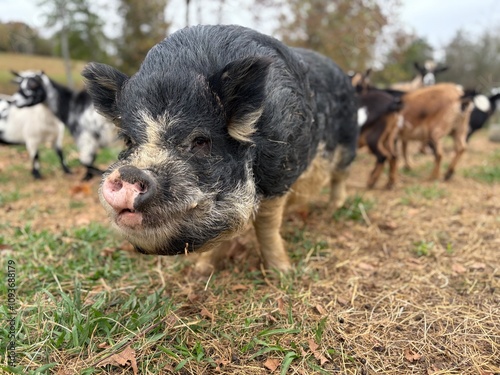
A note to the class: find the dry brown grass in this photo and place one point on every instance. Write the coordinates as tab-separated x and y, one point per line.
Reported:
411	288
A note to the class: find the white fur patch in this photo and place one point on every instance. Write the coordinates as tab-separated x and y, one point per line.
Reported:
362	116
429	79
401	122
482	103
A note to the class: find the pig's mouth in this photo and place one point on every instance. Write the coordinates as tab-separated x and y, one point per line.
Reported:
129	218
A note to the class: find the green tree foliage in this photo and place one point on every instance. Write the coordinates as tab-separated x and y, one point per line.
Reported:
399	62
474	61
144	25
79	30
21	38
345	30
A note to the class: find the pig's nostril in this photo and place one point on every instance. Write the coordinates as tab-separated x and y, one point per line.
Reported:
143	188
142	182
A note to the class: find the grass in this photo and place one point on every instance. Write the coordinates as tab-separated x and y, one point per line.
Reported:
488	171
373	287
354	209
416	194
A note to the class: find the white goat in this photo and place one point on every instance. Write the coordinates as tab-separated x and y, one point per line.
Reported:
32	126
89	129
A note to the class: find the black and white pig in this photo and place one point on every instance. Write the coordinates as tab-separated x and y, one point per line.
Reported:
221	124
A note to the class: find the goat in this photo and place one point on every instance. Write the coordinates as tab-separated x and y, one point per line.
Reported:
379	119
31	126
89	129
432	112
484	107
426	76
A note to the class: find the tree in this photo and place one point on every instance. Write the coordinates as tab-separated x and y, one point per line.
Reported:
345	30
79	29
21	38
399	62
474	61
144	25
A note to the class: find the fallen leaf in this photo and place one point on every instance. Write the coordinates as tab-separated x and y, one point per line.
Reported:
221	363
207	314
83	188
237	287
122	359
5	247
411	356
272	364
342	301
281	306
316	353
366	266
321	309
388	225
458	268
477	266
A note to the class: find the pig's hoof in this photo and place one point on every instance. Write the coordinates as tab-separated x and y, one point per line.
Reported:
202	268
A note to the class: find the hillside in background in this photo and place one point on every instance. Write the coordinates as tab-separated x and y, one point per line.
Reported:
52	66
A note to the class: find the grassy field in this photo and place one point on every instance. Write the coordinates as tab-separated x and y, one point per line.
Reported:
397	282
52	66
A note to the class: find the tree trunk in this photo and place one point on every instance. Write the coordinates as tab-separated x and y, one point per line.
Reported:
65	48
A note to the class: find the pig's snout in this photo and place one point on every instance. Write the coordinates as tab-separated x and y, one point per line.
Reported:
128	189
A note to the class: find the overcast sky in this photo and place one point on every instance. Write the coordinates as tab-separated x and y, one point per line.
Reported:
436	20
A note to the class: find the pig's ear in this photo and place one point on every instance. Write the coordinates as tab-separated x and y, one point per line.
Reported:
103	84
241	89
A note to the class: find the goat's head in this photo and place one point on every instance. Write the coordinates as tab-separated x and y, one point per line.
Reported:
31	88
361	81
428	71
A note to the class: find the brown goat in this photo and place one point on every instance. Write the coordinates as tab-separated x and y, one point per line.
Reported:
379	121
432	112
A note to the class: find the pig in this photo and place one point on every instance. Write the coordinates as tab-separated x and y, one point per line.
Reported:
221	123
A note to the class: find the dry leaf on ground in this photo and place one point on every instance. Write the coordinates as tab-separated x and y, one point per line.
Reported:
124	358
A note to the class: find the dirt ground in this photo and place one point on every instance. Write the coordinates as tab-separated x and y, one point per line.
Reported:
420	269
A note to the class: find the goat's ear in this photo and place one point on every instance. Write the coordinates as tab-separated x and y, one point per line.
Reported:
104	84
240	86
419	68
441	68
368	72
17	78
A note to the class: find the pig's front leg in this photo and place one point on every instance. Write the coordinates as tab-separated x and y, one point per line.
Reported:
267	227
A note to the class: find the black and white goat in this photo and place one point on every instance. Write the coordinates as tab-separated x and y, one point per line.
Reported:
426	76
89	129
484	107
32	127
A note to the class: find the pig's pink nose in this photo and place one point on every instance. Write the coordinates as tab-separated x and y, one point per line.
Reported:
128	189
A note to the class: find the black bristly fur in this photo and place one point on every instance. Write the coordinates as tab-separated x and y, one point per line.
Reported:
194	86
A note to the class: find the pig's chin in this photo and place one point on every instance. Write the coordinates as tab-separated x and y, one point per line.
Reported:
129	219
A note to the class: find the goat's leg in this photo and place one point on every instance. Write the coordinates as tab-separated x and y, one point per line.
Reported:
377	170
267	228
32	147
393	165
88	145
61	160
404	148
437	149
58	146
460	145
91	170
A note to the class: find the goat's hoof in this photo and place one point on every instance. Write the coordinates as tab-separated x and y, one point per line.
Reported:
448	175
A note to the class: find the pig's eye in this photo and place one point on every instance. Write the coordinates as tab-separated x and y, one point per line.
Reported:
201	145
